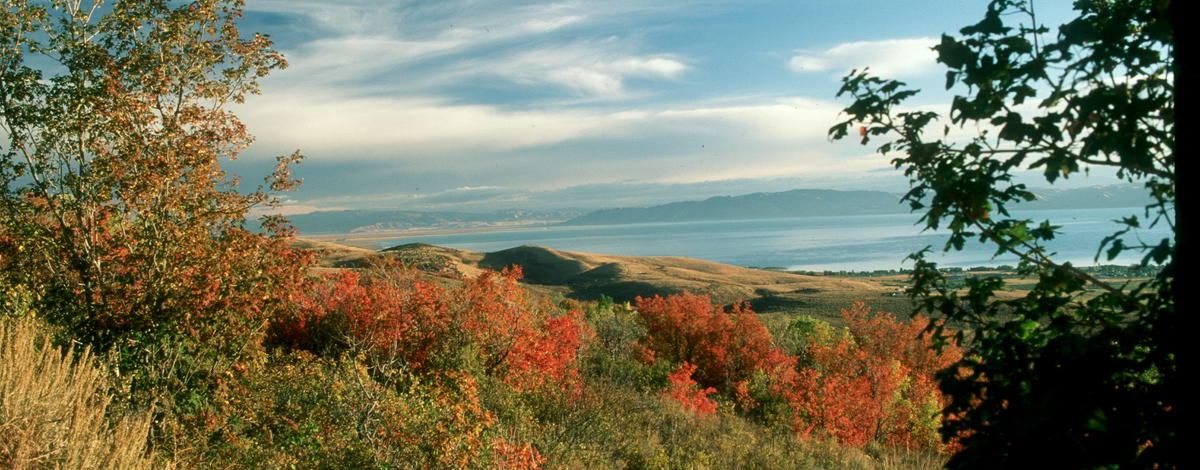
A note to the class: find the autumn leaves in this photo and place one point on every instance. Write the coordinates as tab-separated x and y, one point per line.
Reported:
870	381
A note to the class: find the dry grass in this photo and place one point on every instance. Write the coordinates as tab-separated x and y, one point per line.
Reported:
587	275
52	409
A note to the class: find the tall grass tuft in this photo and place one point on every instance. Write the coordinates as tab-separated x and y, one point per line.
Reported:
52	408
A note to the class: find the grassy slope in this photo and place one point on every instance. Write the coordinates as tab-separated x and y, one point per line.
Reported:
586	276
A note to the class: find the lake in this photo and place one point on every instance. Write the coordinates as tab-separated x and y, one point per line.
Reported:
849	243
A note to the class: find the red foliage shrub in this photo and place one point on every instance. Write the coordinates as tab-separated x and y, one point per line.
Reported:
393	310
848	395
882	334
512	456
685	391
872	382
547	356
725	347
347	308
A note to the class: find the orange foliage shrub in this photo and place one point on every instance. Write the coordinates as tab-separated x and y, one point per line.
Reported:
395	311
546	356
512	456
213	281
403	319
849	393
725	347
873	382
682	389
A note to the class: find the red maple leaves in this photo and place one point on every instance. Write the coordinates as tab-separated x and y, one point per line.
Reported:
683	390
726	347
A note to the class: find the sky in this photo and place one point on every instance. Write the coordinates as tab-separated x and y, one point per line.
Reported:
487	104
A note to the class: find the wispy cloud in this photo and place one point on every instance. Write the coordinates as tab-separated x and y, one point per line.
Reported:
429	128
887	58
357	43
401	102
597	69
413	128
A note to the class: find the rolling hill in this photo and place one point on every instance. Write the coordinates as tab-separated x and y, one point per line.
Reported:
587	276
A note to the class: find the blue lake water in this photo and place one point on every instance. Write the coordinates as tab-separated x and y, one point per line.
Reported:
851	243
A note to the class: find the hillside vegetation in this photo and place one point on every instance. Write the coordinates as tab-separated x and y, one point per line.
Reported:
586	276
144	324
424	357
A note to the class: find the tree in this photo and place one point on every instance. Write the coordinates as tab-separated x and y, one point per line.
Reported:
114	210
1061	377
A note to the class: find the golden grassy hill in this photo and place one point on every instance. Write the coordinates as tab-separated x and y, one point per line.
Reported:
587	276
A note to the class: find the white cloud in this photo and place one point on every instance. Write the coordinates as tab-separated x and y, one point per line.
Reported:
361	41
785	119
886	58
405	89
597	69
419	128
781	137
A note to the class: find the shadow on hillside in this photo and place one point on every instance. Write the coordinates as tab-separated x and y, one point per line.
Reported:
621	291
541	265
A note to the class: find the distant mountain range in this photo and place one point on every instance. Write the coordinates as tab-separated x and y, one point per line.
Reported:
795	203
823	202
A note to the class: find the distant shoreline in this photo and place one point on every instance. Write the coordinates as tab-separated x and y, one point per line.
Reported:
863	243
368	239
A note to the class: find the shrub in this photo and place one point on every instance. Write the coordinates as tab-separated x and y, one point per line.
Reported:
298	410
399	319
726	347
683	390
115	214
871	381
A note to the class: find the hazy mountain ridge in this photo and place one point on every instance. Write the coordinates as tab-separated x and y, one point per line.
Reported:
794	203
762	205
1093	197
818	202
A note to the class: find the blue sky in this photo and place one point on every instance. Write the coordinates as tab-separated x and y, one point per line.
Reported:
509	104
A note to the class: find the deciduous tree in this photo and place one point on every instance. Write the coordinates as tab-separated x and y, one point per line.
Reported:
1061	377
114	210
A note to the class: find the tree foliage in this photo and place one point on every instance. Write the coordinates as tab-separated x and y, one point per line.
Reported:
115	214
1059	377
